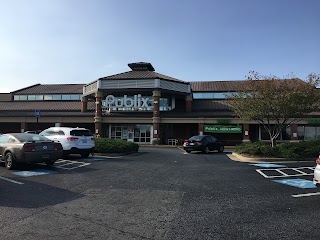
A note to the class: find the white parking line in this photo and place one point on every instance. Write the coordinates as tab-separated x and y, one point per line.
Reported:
305	195
13	181
68	163
283	174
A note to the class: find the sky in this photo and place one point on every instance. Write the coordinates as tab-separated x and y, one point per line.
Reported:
79	41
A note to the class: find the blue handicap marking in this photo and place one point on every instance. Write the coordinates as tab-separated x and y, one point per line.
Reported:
267	165
298	182
34	173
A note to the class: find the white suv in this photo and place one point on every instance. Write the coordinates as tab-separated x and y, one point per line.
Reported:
73	140
316	178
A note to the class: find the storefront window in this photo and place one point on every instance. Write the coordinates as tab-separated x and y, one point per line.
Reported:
164	104
55	97
286	133
31	97
141	132
300	132
308	132
39	97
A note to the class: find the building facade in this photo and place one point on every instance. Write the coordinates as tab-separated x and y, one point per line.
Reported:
141	106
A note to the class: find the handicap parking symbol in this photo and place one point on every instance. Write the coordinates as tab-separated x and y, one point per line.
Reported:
268	165
300	183
34	173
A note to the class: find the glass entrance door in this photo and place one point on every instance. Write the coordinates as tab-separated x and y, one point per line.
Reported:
142	133
139	133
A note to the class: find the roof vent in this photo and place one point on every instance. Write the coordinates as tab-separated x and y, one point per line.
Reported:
141	66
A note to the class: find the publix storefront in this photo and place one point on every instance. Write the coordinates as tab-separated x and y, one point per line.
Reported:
147	107
141	106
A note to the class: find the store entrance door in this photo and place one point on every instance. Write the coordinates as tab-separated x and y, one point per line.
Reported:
130	136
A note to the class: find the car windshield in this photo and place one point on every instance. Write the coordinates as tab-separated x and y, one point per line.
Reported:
27	137
80	133
196	138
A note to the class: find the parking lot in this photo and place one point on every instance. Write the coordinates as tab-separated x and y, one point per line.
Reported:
159	193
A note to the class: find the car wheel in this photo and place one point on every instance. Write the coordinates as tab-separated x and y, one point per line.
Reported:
85	155
50	162
9	161
221	149
188	151
206	150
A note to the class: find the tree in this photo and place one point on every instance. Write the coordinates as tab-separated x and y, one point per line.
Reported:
275	103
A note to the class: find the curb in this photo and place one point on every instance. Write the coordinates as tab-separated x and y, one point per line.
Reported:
242	158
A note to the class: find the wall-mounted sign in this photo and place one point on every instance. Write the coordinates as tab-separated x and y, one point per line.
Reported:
37	113
137	101
313	121
223	129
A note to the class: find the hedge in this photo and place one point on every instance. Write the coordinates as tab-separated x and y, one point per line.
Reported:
289	150
107	145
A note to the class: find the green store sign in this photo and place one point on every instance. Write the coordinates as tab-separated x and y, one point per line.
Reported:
313	121
222	129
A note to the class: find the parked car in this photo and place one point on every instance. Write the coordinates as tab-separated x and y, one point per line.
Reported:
316	178
73	140
27	147
204	143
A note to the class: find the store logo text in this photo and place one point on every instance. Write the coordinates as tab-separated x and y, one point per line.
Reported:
136	101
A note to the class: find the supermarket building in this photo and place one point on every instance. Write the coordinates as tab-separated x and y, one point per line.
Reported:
141	106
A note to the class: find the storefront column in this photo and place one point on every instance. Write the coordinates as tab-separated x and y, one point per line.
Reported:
246	133
156	116
294	132
23	127
98	114
84	104
200	128
188	100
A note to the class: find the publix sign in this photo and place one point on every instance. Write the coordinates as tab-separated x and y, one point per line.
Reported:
223	129
136	101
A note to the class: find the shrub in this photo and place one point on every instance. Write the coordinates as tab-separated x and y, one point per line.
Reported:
289	150
107	145
250	148
268	151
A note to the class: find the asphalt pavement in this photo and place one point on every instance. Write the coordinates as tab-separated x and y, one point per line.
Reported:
159	193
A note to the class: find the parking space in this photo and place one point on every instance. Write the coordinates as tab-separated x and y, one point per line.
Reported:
69	164
31	170
286	172
296	176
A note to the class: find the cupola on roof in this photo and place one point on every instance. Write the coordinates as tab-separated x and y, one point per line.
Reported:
141	66
141	70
